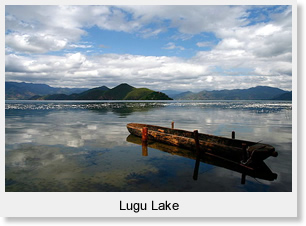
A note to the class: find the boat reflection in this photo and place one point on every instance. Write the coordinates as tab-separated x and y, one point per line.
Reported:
256	170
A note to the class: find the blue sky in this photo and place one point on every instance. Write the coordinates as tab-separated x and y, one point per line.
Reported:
160	47
165	44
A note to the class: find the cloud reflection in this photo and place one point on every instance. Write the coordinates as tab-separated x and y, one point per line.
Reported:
85	149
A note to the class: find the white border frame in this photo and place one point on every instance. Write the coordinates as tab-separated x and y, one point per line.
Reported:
106	204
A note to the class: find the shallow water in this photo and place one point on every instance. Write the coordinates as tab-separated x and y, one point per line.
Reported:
83	145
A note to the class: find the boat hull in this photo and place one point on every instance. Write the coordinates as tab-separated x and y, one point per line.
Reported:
220	146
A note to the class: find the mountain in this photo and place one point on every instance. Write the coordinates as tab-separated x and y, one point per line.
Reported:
184	95
254	93
171	93
95	93
284	96
156	95
121	92
24	91
137	94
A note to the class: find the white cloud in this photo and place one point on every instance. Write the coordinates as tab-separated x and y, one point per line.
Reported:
266	30
230	43
149	32
39	43
190	19
81	46
51	28
245	56
108	69
143	71
204	44
171	45
40	29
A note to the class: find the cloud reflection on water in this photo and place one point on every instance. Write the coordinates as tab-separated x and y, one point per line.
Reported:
69	147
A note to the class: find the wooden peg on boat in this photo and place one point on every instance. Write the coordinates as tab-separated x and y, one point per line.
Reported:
144	141
233	134
172	125
196	138
197	163
144	134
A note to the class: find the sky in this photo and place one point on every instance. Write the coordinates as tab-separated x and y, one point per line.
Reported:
161	47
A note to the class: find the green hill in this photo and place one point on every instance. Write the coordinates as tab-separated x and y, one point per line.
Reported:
137	94
93	94
118	93
156	96
121	92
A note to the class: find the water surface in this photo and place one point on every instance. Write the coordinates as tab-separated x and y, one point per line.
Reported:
82	146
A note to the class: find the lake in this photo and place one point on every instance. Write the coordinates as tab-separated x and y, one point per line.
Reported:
84	146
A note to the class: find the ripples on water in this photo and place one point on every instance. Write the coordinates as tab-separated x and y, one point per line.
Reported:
82	145
257	106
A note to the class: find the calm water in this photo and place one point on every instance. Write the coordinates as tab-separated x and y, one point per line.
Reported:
84	146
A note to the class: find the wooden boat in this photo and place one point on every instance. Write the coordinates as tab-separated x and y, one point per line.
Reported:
233	150
256	170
